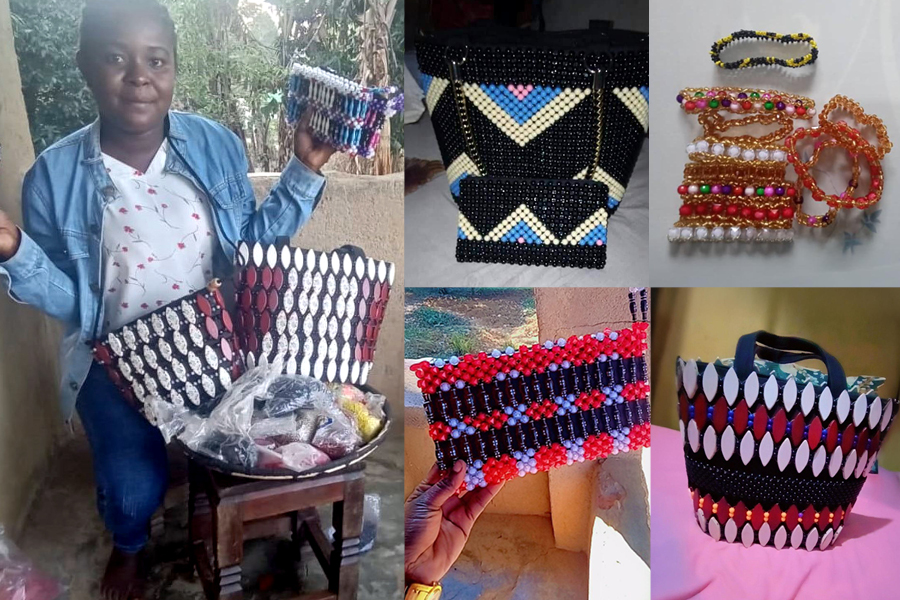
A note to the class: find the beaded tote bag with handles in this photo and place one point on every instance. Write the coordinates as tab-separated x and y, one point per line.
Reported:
775	458
536	107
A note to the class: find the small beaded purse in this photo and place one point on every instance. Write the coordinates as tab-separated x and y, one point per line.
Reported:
542	108
319	312
185	353
345	114
513	412
773	458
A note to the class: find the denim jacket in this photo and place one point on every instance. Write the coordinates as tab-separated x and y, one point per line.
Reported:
57	267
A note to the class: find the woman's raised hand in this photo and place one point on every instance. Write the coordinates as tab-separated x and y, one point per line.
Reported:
10	236
310	151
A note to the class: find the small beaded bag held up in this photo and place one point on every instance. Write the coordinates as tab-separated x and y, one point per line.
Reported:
777	458
525	119
514	412
345	114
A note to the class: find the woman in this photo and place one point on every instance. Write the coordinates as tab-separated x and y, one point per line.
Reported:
128	214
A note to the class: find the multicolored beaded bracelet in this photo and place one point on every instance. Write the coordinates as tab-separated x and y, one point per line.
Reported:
510	413
756	61
745	100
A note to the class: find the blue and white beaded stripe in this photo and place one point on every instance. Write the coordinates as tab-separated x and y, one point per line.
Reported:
522	133
637	100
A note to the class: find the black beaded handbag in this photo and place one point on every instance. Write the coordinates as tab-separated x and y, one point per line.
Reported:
542	109
185	353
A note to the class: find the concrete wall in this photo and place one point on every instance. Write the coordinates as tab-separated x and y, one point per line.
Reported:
861	328
563	312
366	211
29	418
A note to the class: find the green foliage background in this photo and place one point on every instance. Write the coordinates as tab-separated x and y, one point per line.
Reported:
234	57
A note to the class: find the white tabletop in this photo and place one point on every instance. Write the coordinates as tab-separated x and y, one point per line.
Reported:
859	57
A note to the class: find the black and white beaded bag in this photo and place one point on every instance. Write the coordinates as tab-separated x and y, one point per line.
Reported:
540	108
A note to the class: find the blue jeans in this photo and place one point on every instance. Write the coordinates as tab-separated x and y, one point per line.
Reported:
131	467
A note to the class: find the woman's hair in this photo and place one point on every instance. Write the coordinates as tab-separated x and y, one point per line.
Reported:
98	13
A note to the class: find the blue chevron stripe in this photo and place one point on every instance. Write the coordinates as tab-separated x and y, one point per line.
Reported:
523	231
521	110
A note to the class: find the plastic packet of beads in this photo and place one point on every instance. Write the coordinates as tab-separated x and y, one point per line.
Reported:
267	427
517	103
300	456
336	434
508	413
345	114
285	394
560	222
20	579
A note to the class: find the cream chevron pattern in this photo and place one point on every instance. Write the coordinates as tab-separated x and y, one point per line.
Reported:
435	87
537	123
521	214
635	99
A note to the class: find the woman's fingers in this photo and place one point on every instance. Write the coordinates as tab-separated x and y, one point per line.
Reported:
469	507
439	493
433	476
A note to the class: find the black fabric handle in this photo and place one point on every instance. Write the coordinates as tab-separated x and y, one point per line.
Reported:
785	350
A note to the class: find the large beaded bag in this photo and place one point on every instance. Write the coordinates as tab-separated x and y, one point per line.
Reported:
185	353
510	412
536	107
777	458
320	313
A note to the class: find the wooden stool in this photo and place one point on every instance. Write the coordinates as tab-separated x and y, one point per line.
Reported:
226	511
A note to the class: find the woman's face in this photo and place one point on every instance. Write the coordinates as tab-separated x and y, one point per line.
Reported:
129	66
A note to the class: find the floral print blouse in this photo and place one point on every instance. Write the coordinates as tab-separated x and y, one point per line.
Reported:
158	240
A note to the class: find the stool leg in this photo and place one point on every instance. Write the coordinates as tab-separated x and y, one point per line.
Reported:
229	549
201	538
348	516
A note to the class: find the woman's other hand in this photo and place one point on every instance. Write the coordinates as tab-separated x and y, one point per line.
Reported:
311	152
10	237
438	522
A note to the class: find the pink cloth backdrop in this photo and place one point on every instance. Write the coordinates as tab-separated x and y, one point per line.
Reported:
687	563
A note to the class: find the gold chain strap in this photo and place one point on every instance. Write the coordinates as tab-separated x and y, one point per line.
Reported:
463	113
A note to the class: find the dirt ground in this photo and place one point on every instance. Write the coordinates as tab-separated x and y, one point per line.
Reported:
442	321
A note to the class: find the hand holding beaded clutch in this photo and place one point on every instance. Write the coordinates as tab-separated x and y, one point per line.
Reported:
184	353
319	312
510	413
774	460
345	114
